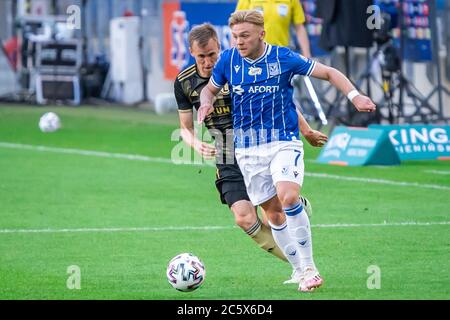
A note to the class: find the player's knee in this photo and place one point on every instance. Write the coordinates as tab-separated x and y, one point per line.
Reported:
244	214
245	222
289	198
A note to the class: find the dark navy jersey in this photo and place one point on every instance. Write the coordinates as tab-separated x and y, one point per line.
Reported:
187	88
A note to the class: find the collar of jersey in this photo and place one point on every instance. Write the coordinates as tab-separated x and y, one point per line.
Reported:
266	53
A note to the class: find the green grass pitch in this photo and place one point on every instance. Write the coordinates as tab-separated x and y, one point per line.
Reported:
89	204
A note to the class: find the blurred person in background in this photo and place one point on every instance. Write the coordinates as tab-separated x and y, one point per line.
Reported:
279	16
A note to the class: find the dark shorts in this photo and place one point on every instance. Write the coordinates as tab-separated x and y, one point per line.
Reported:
230	184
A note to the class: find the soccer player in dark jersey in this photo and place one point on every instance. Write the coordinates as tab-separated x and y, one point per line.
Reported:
204	47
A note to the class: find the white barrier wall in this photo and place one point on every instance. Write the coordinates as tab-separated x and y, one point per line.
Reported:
126	65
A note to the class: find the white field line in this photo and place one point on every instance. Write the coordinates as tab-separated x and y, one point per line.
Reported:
141	229
444	172
378	181
83	152
164	160
103	154
215	228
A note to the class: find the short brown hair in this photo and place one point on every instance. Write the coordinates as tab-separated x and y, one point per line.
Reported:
251	16
202	34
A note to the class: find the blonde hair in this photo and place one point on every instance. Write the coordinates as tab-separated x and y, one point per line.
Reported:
250	16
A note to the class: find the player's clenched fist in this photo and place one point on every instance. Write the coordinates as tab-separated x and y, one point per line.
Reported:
316	138
364	104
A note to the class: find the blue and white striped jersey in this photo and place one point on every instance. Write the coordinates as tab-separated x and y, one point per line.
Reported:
263	110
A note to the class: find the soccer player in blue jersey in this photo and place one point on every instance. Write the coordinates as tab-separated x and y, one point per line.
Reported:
204	47
268	148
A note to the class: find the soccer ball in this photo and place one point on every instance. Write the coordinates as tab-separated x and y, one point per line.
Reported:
185	272
49	122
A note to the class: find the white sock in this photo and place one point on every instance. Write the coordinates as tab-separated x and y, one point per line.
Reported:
300	231
285	243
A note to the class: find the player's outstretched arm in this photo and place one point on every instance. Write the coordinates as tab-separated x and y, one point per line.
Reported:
208	151
314	137
206	101
340	81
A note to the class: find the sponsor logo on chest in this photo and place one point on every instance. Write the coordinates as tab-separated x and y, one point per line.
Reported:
254	71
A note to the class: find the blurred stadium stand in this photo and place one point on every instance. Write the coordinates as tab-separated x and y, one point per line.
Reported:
95	31
7	78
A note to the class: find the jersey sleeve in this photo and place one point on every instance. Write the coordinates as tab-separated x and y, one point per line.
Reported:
300	65
218	78
243	5
182	100
298	15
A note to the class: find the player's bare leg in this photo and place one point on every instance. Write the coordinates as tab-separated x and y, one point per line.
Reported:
247	219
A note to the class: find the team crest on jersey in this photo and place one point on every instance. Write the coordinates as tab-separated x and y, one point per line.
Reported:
225	90
254	71
273	69
283	10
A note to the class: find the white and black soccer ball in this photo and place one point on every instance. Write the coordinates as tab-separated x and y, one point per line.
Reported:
186	272
49	122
